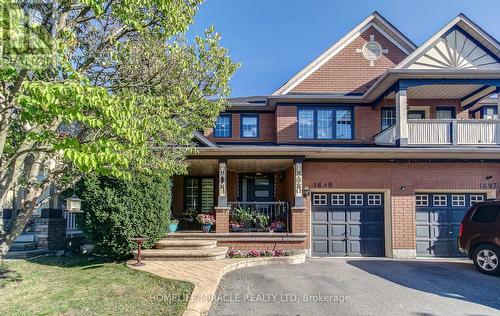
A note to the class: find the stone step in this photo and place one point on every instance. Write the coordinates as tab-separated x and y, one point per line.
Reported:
186	244
22	246
182	255
25	254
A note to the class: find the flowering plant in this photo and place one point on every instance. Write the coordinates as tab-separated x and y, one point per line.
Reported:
206	219
253	253
233	253
277	226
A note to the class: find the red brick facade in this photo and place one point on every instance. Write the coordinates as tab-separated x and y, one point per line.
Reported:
349	71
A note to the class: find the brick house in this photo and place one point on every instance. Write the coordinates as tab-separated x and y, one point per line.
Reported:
376	148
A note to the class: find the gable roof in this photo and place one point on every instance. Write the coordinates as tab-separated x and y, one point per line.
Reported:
374	20
460	44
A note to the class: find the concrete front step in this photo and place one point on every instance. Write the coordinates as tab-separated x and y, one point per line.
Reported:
215	253
186	244
25	254
22	246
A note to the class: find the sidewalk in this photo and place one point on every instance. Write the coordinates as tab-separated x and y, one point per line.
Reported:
206	275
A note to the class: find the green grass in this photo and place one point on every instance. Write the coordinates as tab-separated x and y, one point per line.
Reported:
86	285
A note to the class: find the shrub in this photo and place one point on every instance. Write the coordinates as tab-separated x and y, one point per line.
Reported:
115	211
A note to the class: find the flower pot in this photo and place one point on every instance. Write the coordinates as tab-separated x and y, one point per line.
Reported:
172	227
206	227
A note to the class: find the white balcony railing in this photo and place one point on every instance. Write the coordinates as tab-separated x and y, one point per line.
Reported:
444	132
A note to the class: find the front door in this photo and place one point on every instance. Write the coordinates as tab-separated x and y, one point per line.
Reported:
257	188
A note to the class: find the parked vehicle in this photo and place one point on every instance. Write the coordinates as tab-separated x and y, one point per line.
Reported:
479	236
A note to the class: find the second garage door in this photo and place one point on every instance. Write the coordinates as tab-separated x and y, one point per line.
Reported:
347	224
438	218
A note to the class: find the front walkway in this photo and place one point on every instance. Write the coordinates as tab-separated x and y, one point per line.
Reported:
206	275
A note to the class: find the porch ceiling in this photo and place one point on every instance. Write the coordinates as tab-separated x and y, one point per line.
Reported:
439	91
210	167
258	165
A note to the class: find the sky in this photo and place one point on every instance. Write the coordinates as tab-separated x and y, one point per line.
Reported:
274	39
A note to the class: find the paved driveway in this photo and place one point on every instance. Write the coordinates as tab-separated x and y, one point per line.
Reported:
359	287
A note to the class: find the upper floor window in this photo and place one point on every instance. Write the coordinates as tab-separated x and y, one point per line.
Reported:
325	123
388	117
249	125
445	113
490	113
223	126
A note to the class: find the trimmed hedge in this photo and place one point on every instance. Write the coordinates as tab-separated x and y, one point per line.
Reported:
116	210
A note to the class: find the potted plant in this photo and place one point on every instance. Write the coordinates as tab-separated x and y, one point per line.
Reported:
190	215
206	221
172	226
244	217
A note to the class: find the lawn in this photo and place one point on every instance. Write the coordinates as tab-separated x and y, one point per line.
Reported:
86	285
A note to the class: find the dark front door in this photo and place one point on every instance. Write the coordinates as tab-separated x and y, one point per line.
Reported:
347	224
257	188
438	218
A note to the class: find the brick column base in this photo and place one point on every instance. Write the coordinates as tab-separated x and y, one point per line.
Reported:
50	230
299	219
222	219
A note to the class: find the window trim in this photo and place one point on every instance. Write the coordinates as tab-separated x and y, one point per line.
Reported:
381	116
334	123
230	126
447	108
485	107
257	116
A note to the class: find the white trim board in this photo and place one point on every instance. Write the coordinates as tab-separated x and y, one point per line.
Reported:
341	44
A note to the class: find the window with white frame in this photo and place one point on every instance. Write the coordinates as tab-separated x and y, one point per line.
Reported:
388	117
356	199
374	199
319	199
476	198
421	200
439	200
458	200
338	199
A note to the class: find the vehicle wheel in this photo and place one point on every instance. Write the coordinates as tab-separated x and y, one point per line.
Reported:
487	259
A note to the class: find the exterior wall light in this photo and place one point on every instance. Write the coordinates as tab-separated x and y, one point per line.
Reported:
306	191
403	188
73	204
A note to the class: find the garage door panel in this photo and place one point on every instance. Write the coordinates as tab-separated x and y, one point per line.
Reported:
354	215
457	215
441	232
372	230
355	229
338	230
320	216
423	216
320	247
423	248
374	215
441	248
338	247
338	215
441	216
424	231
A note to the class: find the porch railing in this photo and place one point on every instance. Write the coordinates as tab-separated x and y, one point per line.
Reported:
259	216
446	132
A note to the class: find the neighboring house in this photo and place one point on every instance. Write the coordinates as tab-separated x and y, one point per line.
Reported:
377	147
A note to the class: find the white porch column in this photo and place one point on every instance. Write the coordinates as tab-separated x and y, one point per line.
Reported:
401	117
299	198
498	102
222	196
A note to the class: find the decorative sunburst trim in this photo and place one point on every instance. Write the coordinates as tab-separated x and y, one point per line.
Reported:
455	51
372	50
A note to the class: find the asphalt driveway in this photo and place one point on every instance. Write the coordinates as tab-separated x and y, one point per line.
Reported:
359	287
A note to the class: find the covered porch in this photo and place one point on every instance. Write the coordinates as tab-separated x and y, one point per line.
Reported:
248	196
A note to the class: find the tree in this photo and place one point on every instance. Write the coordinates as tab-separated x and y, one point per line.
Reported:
104	87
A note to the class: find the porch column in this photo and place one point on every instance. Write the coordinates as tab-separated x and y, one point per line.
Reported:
222	209
498	102
299	198
222	197
401	117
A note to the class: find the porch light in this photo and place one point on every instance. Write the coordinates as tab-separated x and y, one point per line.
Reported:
73	204
306	191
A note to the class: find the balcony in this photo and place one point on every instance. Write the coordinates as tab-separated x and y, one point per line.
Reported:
445	132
